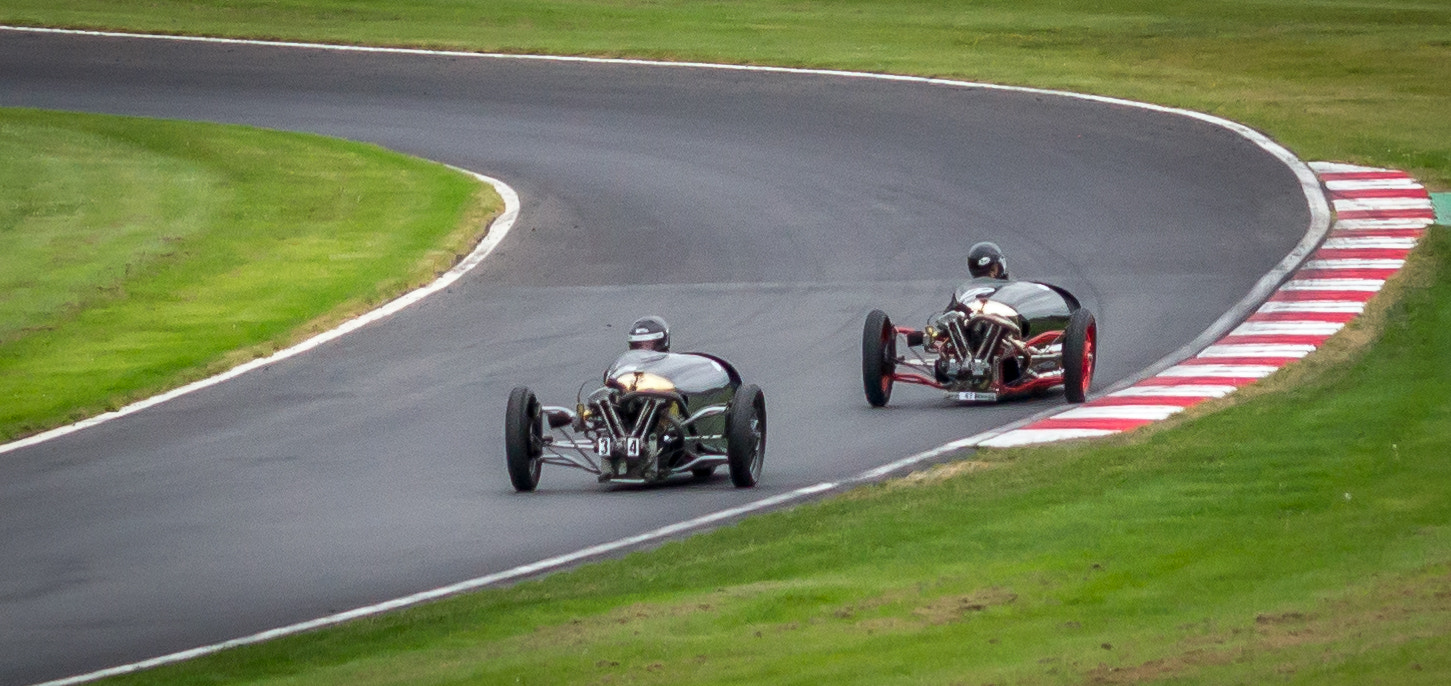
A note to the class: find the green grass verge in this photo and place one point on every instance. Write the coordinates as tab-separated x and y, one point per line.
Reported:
140	254
1301	535
1353	81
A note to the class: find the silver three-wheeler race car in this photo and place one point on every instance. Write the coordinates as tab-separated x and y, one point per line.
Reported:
997	339
657	415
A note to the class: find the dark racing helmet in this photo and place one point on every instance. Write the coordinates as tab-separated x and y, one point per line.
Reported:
986	259
650	333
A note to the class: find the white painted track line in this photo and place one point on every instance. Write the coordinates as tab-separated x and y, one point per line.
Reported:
1228	371
1332	306
1341	168
1352	263
1258	350
1309	183
1373	184
1354	204
1334	285
1185	391
1152	412
1287	329
1373	224
1369	242
506	576
1318	206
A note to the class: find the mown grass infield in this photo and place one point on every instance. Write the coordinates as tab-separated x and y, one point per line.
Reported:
1300	533
140	254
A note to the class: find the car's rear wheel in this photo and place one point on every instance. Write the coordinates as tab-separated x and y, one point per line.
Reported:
523	439
746	436
879	358
1080	352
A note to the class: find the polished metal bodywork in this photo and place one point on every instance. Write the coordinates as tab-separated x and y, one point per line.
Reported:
657	414
995	339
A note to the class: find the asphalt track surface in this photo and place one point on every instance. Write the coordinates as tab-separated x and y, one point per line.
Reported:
763	214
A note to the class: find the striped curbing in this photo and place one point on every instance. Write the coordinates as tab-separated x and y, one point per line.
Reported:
1380	215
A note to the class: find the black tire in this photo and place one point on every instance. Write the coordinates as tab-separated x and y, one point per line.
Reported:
746	436
879	358
1080	354
523	439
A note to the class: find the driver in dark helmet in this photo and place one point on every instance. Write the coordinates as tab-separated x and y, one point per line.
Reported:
648	340
649	333
985	260
989	270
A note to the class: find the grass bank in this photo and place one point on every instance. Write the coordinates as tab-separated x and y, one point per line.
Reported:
1361	82
1302	535
140	254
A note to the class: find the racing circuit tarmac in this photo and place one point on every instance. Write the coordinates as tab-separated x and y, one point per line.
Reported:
763	214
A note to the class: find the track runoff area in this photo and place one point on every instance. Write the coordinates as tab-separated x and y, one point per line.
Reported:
1380	214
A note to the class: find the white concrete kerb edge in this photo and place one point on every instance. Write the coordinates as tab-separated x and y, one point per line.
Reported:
1319	226
496	232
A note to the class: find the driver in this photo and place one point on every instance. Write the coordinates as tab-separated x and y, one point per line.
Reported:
989	270
650	333
985	260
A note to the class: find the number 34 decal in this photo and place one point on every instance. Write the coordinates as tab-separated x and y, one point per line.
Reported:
606	445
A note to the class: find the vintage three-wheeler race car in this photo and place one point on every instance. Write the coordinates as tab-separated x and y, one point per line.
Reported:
997	339
658	414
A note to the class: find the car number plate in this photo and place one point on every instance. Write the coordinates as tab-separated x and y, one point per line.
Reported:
605	446
976	397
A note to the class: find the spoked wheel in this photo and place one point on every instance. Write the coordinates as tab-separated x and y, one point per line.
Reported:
1080	350
746	436
523	439
879	358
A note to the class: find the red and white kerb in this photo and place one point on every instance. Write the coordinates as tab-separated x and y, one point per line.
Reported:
1380	214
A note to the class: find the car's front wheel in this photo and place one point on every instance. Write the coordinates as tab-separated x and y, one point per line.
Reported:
1080	352
746	436
523	439
879	358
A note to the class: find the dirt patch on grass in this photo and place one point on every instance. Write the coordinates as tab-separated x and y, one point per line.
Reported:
955	608
1377	617
645	618
906	610
944	472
